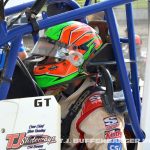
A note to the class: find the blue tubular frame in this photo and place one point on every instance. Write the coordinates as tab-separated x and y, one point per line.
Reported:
21	7
16	9
122	72
71	15
76	14
132	52
3	27
15	44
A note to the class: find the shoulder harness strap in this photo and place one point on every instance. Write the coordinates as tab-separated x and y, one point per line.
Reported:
73	111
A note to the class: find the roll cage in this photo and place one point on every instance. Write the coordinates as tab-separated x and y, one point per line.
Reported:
15	35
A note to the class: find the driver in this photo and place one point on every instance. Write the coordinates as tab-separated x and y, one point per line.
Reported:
65	51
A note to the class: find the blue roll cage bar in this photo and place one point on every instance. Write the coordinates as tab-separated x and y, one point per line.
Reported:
131	93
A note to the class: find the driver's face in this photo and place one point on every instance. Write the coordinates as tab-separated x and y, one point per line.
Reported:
56	90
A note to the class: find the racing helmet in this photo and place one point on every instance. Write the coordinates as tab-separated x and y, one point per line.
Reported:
66	48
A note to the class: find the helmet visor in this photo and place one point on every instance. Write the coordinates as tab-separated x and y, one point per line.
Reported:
55	49
45	48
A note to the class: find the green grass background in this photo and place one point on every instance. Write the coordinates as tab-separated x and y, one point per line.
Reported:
136	4
140	4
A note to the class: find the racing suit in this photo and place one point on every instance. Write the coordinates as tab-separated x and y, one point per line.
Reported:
93	124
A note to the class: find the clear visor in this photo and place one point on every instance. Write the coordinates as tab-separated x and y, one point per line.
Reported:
44	47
